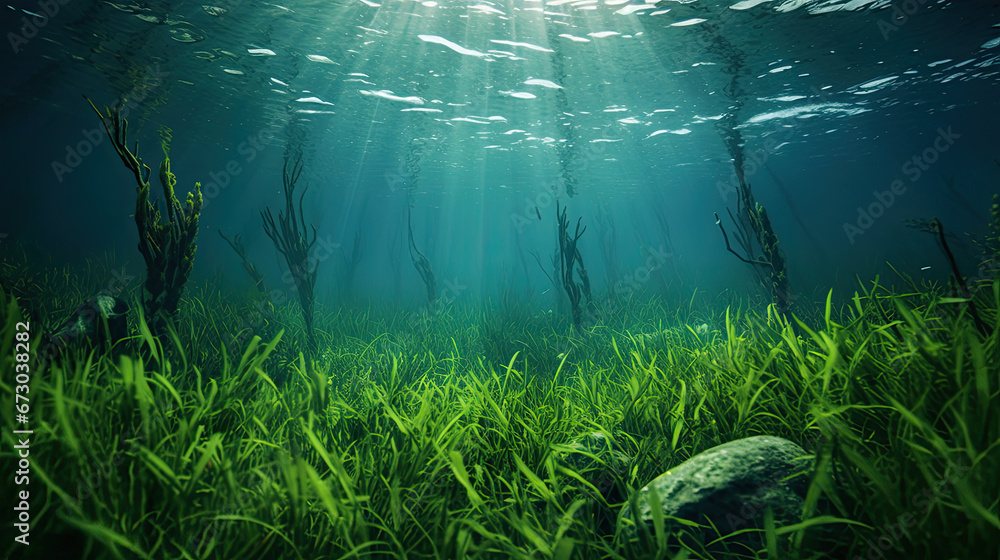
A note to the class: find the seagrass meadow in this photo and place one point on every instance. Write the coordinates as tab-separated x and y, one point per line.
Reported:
451	436
503	279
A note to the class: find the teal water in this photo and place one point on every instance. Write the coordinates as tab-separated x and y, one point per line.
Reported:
482	115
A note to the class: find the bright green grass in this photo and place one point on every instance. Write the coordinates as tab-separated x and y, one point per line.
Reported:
445	436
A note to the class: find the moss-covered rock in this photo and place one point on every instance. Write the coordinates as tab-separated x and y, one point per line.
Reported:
728	488
98	321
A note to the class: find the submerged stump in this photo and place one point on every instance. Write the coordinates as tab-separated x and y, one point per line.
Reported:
98	321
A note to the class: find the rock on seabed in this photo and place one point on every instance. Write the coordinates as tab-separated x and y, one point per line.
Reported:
729	487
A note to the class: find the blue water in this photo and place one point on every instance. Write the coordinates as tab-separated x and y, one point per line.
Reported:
855	116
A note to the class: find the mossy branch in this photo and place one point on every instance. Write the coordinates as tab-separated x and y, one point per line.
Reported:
237	244
753	229
168	249
350	265
420	262
936	228
293	240
569	258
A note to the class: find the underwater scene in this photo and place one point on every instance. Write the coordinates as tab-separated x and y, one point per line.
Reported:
527	279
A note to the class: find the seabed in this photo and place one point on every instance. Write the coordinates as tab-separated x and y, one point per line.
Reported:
462	430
